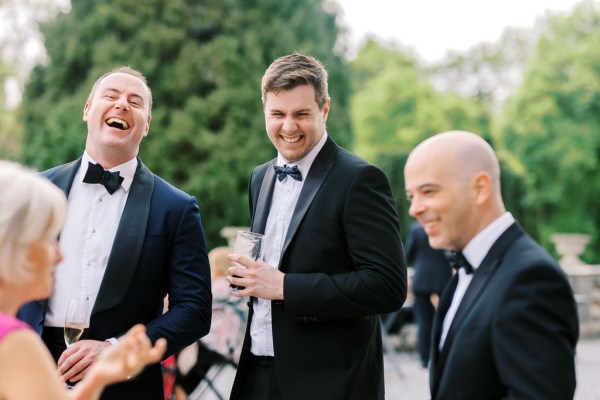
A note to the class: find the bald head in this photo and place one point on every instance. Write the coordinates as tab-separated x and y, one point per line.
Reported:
463	153
453	182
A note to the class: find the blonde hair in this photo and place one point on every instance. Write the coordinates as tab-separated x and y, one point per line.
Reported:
31	209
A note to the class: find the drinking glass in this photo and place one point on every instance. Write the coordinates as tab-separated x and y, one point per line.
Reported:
75	320
247	244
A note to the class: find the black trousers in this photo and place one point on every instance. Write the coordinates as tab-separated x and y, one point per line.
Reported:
261	383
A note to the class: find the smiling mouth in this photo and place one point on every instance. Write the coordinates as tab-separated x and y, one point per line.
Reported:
291	140
117	123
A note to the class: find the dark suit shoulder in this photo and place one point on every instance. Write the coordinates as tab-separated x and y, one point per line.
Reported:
525	253
164	188
49	173
346	156
351	166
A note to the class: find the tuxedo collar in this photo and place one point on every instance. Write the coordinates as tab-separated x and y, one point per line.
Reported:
128	242
313	181
481	276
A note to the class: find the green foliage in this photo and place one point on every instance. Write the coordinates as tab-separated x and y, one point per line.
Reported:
9	128
204	62
552	126
488	71
395	107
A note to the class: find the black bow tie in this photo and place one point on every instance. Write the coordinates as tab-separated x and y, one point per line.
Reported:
457	261
96	174
282	172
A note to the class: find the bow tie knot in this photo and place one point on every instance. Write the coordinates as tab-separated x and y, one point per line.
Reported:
284	171
96	174
457	261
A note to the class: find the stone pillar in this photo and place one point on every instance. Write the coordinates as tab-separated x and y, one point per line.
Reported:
570	246
585	280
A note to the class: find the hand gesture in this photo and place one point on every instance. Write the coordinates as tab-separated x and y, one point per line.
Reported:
129	357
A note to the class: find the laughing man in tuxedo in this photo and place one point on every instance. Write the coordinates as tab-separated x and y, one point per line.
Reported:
129	239
333	258
506	326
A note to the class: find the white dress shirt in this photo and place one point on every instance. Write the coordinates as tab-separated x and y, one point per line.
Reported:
86	240
474	252
283	204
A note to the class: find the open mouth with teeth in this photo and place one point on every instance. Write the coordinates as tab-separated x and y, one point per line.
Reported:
117	123
292	139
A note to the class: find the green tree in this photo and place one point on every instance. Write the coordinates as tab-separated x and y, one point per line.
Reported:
552	126
204	62
489	71
9	128
19	30
394	107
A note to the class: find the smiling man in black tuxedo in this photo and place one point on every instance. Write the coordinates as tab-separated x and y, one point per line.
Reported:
506	326
333	259
129	239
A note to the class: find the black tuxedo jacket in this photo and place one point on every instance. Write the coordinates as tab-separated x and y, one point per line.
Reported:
159	248
515	331
344	265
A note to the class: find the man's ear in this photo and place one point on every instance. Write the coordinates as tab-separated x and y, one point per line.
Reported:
326	110
482	185
86	108
147	130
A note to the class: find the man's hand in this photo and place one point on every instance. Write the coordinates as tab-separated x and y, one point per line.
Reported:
258	278
74	361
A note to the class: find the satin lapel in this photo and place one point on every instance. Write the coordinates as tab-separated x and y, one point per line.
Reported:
263	204
128	242
316	176
437	361
481	276
63	176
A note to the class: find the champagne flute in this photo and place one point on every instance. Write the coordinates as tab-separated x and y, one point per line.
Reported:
75	320
247	244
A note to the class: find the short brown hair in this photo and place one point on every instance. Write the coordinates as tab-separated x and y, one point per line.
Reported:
124	70
294	70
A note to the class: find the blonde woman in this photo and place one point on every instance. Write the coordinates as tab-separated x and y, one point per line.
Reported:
32	211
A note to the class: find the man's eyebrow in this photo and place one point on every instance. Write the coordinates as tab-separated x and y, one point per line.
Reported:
118	91
277	110
422	186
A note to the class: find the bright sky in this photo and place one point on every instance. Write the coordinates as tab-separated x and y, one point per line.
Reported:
431	27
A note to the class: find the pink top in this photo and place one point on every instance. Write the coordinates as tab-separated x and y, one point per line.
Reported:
8	323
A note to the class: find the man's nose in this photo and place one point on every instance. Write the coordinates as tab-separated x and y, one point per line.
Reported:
289	125
415	208
122	104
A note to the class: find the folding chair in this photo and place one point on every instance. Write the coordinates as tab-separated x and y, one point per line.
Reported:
202	365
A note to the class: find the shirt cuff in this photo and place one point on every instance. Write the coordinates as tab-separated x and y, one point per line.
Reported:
112	341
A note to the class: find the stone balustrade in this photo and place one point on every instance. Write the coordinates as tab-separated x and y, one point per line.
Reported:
584	278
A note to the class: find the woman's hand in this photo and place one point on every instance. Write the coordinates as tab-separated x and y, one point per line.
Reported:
129	357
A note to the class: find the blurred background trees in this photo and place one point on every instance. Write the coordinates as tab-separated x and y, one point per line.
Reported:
534	95
552	126
204	62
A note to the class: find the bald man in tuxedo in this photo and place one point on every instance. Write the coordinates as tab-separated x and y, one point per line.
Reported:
506	326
